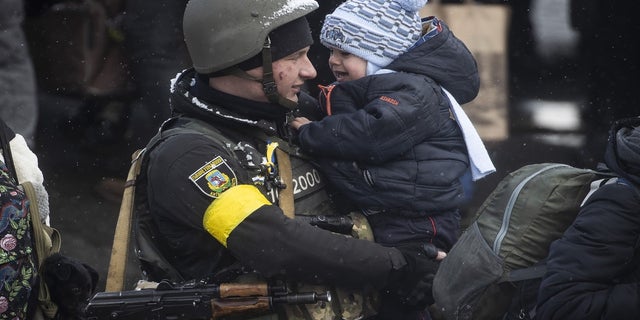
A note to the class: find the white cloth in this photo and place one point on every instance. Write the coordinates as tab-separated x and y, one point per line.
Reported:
25	161
481	164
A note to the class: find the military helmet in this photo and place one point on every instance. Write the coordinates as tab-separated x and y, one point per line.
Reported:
222	33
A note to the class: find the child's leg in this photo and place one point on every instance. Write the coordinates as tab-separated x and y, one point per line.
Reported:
393	230
442	230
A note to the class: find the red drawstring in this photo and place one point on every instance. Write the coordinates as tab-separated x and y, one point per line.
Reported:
326	92
435	231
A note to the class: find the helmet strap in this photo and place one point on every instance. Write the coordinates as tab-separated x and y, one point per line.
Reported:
268	82
269	86
235	71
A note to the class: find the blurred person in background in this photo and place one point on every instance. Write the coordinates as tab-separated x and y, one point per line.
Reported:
18	103
156	53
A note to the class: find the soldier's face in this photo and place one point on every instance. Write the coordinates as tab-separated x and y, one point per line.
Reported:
291	72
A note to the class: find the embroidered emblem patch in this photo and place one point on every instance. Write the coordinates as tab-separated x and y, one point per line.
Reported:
335	34
214	177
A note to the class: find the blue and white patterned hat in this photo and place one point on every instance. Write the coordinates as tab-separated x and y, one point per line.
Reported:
375	30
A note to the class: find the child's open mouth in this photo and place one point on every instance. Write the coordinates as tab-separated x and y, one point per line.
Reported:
340	76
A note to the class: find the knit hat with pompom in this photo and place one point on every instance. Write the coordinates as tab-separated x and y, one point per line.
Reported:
376	30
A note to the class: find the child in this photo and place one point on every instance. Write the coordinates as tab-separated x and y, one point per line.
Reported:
393	143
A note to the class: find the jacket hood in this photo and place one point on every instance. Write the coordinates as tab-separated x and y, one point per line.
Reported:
622	155
188	97
191	95
444	58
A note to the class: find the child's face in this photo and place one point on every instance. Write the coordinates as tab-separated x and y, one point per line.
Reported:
346	66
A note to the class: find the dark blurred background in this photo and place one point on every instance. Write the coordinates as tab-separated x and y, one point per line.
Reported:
572	67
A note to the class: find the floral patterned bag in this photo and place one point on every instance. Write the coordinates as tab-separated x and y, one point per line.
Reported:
25	241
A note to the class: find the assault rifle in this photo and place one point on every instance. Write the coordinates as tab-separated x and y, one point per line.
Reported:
195	301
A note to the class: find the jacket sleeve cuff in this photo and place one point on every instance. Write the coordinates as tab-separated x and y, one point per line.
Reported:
230	209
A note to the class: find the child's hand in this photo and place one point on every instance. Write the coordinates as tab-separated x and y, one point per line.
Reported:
433	252
298	122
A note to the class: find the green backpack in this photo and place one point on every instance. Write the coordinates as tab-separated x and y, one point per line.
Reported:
509	237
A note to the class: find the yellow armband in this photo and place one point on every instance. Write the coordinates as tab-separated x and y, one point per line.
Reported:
231	208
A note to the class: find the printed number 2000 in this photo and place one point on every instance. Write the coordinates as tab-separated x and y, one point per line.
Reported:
306	181
300	184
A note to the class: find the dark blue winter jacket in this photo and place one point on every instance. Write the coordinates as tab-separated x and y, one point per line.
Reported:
593	270
391	143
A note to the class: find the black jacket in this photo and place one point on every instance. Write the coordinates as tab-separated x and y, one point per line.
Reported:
593	271
391	142
266	241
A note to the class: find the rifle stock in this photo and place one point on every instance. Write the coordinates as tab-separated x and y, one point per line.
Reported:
195	301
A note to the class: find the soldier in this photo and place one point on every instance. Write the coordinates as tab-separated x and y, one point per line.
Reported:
214	186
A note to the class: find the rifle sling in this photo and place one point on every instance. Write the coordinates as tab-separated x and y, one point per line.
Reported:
121	238
285	198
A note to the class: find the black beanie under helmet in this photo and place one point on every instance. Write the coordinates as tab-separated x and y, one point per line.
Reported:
285	40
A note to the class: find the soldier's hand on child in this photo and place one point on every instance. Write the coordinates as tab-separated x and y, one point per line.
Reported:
413	286
298	122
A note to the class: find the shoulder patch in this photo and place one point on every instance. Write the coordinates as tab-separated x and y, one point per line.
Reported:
214	177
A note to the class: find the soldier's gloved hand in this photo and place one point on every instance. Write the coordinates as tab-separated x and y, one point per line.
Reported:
412	284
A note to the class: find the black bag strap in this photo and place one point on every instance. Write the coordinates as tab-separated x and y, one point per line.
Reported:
6	134
533	272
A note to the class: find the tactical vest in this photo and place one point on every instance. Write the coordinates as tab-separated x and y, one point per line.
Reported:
345	304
